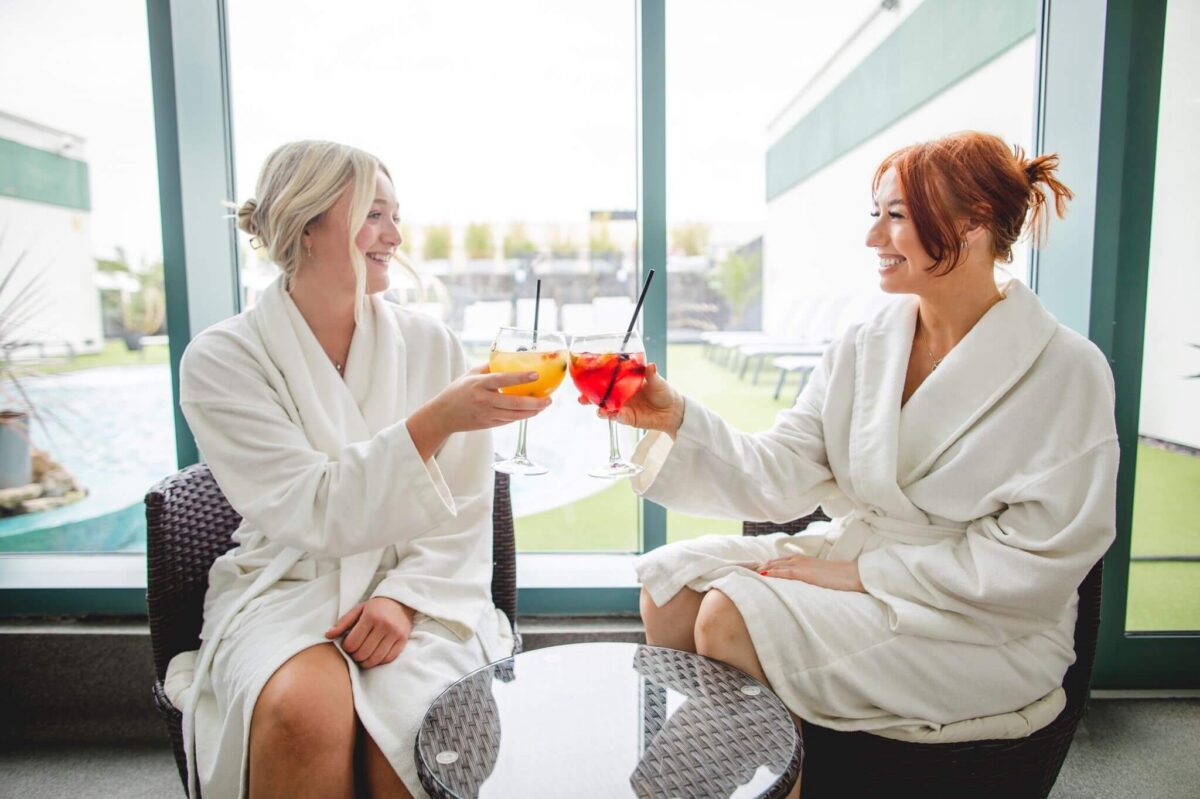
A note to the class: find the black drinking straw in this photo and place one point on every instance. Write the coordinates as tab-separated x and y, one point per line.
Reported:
617	368
537	304
637	309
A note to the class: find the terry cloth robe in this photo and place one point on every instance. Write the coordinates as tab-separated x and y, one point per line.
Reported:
974	511
338	507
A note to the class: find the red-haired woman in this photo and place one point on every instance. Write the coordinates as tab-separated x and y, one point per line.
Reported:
963	443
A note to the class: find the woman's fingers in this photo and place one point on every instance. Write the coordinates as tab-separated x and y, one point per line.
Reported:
371	644
497	380
345	622
511	402
358	633
383	656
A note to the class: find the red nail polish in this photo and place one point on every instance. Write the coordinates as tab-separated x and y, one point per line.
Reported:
764	574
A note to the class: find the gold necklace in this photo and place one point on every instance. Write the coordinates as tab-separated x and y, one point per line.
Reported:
935	361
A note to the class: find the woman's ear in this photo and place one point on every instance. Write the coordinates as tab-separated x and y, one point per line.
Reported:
974	234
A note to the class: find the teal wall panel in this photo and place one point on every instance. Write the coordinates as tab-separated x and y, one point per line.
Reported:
27	173
940	43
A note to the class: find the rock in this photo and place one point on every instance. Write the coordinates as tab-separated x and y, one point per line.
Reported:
11	498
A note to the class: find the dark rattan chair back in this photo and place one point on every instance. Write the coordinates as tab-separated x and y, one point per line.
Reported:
845	764
189	524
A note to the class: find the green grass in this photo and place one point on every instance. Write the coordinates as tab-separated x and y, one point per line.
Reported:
1166	521
114	353
1162	596
1166	503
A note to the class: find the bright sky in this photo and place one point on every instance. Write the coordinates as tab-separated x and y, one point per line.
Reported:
483	110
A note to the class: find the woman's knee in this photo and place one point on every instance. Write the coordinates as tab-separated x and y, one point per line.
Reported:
719	624
307	699
671	624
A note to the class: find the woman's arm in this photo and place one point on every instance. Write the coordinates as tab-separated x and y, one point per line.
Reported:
713	469
374	493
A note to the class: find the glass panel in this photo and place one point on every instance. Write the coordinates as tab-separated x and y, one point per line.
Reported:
1164	575
82	319
510	130
767	261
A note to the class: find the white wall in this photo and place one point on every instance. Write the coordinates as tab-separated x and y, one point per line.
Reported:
1170	407
56	243
815	232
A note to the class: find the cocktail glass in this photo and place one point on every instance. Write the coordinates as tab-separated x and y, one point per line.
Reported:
608	369
520	350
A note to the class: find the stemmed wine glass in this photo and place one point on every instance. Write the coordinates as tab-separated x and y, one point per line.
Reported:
608	369
519	350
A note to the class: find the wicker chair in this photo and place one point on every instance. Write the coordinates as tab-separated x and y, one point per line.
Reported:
189	523
853	764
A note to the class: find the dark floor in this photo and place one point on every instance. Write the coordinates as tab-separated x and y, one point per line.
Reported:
1126	748
77	722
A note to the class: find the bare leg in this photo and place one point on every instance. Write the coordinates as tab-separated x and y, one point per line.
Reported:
721	634
672	624
302	730
381	777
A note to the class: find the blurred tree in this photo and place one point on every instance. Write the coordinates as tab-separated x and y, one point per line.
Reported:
690	239
437	243
740	279
517	243
478	242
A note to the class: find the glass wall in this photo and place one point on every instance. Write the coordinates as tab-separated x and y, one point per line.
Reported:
82	314
510	130
777	115
1164	573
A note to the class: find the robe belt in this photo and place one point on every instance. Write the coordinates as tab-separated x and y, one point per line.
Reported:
861	525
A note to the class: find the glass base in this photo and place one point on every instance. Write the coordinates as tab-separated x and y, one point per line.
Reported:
615	469
519	466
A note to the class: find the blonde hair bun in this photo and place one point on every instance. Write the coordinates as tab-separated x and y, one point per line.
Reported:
245	217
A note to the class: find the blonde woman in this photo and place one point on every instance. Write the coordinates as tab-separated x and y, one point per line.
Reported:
352	439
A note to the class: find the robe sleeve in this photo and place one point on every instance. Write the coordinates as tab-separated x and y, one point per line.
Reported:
434	572
713	469
1013	574
294	494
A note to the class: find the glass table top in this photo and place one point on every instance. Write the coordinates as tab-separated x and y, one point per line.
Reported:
608	720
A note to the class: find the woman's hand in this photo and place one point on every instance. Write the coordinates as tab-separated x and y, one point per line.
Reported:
378	630
838	575
656	406
472	402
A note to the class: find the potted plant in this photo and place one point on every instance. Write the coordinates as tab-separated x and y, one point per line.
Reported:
18	306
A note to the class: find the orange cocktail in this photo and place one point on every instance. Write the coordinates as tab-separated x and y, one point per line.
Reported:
550	366
517	350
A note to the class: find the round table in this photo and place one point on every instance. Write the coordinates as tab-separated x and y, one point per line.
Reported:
608	720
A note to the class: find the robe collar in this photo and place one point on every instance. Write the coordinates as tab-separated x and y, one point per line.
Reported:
335	411
890	447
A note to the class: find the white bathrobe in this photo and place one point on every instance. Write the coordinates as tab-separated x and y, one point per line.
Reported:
338	507
974	512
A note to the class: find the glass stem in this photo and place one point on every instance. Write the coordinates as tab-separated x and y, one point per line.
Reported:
521	440
614	446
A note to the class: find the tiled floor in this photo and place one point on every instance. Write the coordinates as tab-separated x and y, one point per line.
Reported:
1125	748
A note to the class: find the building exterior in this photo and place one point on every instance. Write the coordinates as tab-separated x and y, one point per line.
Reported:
45	220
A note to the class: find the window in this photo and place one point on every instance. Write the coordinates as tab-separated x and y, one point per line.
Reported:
778	114
510	131
82	314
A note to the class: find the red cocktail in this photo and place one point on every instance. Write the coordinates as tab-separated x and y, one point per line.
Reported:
608	369
608	379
